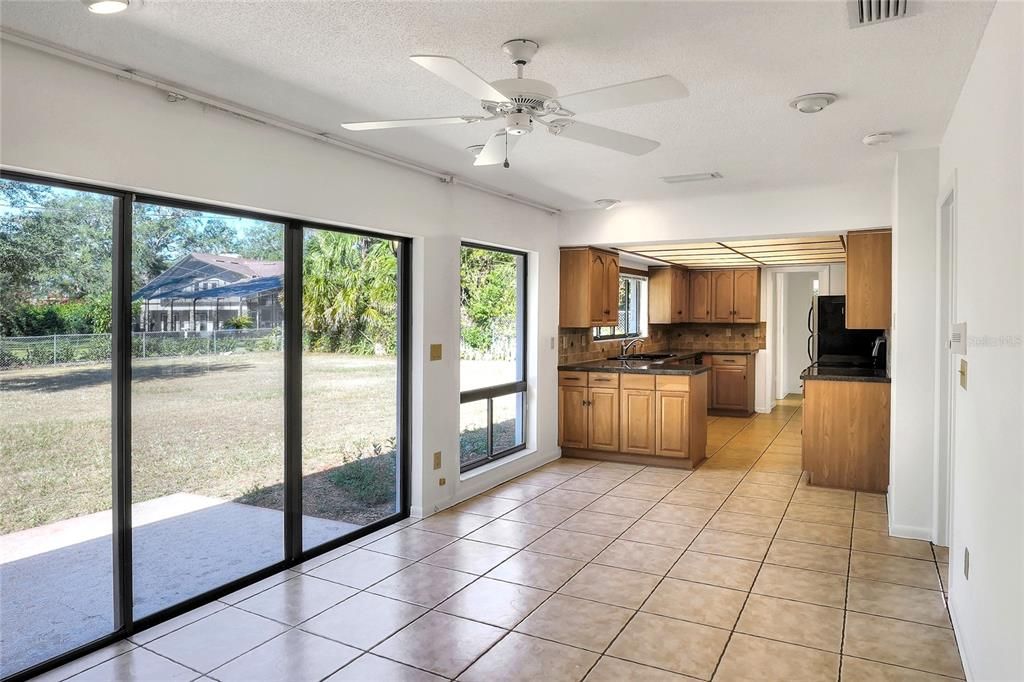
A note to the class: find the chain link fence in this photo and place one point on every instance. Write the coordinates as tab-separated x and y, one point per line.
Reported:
67	349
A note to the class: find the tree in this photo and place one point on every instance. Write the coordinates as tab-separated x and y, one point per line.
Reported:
488	296
350	287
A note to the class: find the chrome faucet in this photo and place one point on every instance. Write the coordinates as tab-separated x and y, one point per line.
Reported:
626	345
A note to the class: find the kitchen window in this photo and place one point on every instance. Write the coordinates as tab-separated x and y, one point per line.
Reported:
632	310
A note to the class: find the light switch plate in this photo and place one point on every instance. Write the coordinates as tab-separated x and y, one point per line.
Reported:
963	373
435	352
437	460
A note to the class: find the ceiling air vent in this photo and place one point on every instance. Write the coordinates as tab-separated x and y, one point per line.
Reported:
868	12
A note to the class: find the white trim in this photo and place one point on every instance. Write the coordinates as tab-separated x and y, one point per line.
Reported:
954	619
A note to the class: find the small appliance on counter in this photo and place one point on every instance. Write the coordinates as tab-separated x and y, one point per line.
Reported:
831	344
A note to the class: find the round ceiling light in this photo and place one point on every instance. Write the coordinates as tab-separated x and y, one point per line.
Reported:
475	149
607	203
813	103
106	6
875	139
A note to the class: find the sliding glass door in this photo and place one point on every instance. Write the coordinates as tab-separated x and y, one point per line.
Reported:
207	401
350	382
492	357
192	397
56	251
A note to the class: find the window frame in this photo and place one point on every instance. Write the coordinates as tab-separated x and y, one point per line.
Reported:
642	283
125	623
520	385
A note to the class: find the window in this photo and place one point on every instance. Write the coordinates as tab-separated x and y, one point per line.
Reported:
492	357
632	310
199	462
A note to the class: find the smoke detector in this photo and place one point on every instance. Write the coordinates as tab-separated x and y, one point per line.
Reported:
875	139
812	103
607	204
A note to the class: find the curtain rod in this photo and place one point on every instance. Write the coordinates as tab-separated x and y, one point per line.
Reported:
173	90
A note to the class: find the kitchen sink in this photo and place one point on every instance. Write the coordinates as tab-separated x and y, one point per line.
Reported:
644	356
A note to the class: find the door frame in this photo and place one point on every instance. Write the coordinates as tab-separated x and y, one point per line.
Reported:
945	369
775	346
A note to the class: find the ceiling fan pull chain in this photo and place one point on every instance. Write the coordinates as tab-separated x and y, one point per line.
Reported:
506	151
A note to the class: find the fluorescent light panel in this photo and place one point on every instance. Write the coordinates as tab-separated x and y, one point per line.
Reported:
691	177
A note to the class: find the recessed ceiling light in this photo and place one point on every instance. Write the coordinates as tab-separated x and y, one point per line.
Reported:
875	139
106	6
607	203
813	103
691	177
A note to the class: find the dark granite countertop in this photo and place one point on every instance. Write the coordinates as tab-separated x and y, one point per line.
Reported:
846	374
682	362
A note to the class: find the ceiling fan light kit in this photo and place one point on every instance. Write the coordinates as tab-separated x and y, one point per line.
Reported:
520	102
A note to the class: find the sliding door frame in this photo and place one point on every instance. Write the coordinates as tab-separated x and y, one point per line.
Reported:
121	386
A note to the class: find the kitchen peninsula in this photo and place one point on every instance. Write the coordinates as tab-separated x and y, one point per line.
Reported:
648	409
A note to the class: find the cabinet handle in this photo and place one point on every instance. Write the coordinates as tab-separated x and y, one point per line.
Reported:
601	379
570	378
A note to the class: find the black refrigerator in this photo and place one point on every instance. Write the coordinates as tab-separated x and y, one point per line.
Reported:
831	344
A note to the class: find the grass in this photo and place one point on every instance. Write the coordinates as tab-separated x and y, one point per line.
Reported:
209	425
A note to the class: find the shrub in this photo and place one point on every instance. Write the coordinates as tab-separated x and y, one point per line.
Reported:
371	480
239	322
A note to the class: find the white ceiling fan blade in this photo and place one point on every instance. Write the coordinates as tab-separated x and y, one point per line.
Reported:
459	75
645	91
494	152
604	137
410	122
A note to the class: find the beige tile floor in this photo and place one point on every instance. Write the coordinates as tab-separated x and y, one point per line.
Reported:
597	571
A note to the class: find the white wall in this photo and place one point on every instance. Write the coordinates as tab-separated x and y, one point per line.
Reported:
68	120
798	290
982	151
912	345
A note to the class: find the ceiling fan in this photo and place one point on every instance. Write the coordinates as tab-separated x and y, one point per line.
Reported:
522	102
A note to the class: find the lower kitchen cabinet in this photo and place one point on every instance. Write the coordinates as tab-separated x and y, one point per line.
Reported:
603	433
673	418
637	421
845	434
732	384
572	416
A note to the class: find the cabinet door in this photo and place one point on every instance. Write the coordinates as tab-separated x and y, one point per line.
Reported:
747	295
868	279
598	288
672	424
722	288
572	416
679	296
603	420
730	388
611	288
700	296
637	423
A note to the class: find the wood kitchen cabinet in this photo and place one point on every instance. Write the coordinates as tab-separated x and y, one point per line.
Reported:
700	296
667	295
868	279
736	295
588	288
845	434
732	384
645	418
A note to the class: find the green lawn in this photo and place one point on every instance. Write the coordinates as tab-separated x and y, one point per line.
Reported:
211	425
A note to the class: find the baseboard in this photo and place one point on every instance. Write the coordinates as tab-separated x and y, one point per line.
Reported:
954	619
912	532
416	512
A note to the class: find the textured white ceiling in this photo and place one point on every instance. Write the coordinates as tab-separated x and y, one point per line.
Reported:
319	63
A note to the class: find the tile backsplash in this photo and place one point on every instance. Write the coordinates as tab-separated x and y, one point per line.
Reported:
578	345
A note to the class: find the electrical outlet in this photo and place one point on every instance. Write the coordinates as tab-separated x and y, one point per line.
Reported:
435	352
441	481
967	564
437	460
728	331
552	343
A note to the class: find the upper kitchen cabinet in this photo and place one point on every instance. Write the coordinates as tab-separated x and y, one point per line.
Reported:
735	295
700	296
868	279
667	295
588	288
